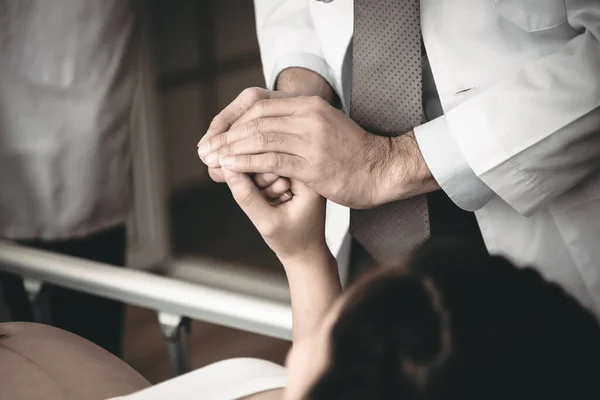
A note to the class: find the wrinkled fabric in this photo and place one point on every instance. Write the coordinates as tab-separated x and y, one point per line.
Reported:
66	90
519	87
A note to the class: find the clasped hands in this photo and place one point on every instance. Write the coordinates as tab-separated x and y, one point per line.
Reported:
282	154
273	134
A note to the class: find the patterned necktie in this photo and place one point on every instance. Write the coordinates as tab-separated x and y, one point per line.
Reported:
386	100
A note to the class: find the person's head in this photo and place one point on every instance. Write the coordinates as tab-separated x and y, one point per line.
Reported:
450	324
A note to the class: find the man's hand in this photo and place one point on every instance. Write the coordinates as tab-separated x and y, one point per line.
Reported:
272	185
304	138
291	82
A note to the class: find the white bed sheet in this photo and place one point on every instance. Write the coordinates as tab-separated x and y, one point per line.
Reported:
225	380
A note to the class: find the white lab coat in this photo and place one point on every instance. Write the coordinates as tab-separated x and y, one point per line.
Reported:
519	83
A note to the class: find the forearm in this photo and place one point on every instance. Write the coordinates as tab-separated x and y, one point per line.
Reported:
304	82
314	285
405	173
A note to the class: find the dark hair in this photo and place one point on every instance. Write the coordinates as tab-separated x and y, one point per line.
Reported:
461	324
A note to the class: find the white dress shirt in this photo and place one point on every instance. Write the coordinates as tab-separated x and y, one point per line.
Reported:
519	138
66	89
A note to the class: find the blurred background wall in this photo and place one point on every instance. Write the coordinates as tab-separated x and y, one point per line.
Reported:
206	52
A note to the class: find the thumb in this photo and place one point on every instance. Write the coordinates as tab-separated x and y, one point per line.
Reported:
247	195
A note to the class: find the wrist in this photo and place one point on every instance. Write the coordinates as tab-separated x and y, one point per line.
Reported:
316	257
405	173
304	82
317	268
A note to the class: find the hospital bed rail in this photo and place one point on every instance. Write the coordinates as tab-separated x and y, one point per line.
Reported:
174	300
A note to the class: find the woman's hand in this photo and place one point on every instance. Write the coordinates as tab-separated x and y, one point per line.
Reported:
294	230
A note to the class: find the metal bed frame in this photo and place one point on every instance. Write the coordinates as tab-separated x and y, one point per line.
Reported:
175	301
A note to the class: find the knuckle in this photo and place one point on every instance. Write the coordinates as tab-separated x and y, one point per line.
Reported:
268	177
271	193
225	151
276	135
278	188
264	138
252	95
274	161
261	180
218	141
260	105
217	121
285	185
249	92
315	101
255	125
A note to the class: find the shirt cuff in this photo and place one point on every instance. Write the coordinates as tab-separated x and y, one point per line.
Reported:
449	167
479	144
302	60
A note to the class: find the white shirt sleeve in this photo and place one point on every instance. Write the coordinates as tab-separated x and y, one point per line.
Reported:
287	38
449	167
536	134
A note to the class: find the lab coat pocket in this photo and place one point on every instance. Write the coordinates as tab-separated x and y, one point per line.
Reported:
533	15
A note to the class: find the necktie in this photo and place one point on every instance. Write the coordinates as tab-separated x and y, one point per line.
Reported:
386	100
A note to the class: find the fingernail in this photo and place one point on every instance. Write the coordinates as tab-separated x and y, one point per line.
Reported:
226	161
203	149
211	159
287	195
